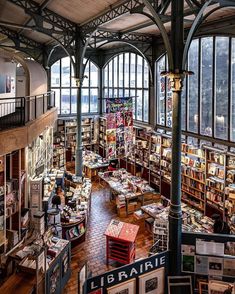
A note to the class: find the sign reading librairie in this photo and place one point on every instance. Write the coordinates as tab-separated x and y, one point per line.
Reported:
119	131
126	276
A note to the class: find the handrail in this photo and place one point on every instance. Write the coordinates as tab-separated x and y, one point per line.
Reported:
17	111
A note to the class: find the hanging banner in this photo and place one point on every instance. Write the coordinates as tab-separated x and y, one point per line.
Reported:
119	131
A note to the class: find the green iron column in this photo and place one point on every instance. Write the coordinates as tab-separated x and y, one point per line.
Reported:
176	77
175	214
79	81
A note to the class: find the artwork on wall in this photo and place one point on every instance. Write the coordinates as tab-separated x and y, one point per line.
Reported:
119	115
128	287
2	84
8	84
152	282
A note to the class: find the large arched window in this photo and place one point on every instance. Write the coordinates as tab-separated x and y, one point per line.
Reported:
66	91
208	98
127	75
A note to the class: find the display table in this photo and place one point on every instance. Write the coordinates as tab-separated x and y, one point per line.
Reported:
120	241
93	163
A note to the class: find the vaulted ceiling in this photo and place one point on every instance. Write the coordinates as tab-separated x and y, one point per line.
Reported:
31	24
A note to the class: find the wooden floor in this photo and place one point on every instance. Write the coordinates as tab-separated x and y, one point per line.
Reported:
92	250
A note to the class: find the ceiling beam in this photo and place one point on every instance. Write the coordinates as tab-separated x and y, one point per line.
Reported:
111	14
42	6
58	24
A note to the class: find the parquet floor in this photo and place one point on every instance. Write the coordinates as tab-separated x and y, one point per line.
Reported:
92	250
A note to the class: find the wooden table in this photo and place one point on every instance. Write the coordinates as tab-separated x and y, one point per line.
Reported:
120	241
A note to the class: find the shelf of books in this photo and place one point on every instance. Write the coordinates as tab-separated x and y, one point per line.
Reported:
193	176
215	180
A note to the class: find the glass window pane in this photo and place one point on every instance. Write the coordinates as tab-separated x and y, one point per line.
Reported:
221	86
106	76
168	104
87	77
193	86
94	76
126	70
115	72
206	85
55	74
85	100
111	73
74	101
65	101
65	71
93	100
133	95
161	91
133	71
146	74
121	81
121	93
146	105
73	80
232	110
139	72
57	99
115	92
110	92
139	104
183	106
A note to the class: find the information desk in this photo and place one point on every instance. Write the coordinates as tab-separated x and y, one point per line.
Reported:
120	241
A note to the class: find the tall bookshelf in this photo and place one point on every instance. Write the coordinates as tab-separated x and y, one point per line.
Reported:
66	137
193	176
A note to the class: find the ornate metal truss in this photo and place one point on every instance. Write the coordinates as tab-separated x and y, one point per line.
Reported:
102	35
129	6
24	44
59	25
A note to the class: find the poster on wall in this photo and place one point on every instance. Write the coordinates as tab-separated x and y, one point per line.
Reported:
119	115
8	84
2	84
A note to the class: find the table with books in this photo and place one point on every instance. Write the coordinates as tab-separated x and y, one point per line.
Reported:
120	241
93	163
127	187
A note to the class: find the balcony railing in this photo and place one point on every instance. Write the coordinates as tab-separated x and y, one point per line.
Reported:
18	111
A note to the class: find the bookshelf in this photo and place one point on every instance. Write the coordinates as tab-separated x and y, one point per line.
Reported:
65	137
215	180
102	136
155	161
193	176
165	162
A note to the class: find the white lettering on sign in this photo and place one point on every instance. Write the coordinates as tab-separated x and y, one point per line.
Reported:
148	265
133	271
121	275
110	278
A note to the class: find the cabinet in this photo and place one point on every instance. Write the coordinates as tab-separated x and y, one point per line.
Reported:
59	272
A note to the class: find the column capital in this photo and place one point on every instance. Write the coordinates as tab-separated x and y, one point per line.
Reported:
176	80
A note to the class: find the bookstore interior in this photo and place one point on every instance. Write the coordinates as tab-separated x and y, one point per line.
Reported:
117	147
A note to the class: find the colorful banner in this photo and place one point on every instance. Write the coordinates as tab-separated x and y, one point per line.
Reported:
119	115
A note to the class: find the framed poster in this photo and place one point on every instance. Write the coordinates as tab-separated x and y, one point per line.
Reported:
128	287
180	285
218	287
152	282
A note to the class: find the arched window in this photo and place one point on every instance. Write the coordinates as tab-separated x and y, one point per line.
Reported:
127	75
208	98
63	83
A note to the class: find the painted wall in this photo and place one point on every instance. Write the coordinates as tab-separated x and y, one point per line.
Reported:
37	79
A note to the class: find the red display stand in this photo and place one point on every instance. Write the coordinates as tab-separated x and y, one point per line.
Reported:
120	241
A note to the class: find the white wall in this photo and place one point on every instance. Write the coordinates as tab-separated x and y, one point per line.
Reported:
38	78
